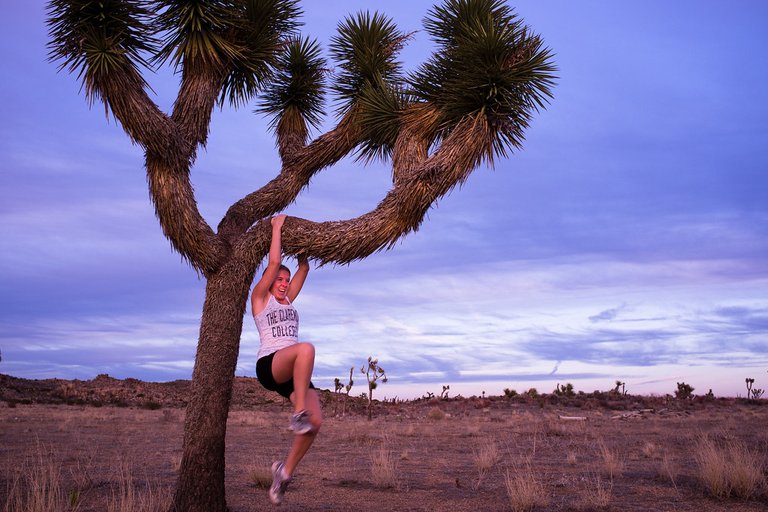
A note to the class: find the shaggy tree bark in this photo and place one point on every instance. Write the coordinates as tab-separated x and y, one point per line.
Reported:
470	102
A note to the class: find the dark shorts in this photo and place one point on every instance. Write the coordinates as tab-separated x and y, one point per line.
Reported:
266	379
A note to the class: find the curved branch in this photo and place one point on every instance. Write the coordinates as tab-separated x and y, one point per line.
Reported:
400	212
192	110
298	169
176	209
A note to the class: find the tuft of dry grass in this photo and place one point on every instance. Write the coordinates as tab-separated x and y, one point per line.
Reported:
435	413
613	464
599	495
384	467
36	485
485	455
650	450
668	469
126	497
730	469
524	490
261	475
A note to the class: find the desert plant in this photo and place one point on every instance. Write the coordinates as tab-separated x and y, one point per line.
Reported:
383	467
261	475
684	391
599	496
620	389
525	491
373	372
509	393
754	394
613	464
668	469
485	455
36	486
127	498
444	392
468	104
435	413
566	390
730	469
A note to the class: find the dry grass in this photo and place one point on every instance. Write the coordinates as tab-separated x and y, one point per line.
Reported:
613	464
36	484
599	495
524	491
384	467
435	413
522	462
485	455
260	475
730	469
668	469
128	498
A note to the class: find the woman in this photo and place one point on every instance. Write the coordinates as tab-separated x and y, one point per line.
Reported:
284	364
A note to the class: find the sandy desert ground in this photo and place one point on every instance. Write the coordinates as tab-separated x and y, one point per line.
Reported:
461	454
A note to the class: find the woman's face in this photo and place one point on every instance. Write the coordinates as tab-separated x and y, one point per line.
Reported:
279	286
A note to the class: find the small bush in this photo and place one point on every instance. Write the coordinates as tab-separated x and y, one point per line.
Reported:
730	470
612	462
524	491
261	476
152	405
435	413
383	467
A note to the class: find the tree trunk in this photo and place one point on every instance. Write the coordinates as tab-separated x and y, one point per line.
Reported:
201	476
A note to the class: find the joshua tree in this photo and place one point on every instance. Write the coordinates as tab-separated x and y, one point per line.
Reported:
467	104
373	372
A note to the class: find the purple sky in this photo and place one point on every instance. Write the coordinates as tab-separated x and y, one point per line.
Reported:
628	239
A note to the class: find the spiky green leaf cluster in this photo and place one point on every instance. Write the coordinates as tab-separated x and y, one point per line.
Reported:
100	39
298	83
487	62
379	116
243	35
365	49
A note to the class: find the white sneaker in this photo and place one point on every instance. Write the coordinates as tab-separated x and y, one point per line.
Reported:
279	484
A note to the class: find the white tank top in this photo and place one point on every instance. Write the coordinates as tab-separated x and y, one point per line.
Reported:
278	326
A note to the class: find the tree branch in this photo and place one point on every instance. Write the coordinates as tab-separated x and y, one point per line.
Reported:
401	211
298	169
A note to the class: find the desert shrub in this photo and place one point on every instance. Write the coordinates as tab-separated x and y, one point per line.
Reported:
127	498
613	464
36	487
485	456
564	390
260	475
684	391
599	495
435	413
524	490
152	405
383	467
729	470
509	393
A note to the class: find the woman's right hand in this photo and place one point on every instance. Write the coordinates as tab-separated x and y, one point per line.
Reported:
278	220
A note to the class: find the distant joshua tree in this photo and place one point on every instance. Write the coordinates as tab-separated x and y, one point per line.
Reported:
468	104
373	372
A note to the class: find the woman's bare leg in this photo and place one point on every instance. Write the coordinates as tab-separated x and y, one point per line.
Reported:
297	362
302	442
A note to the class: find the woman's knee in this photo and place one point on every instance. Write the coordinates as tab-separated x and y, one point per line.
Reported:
306	349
